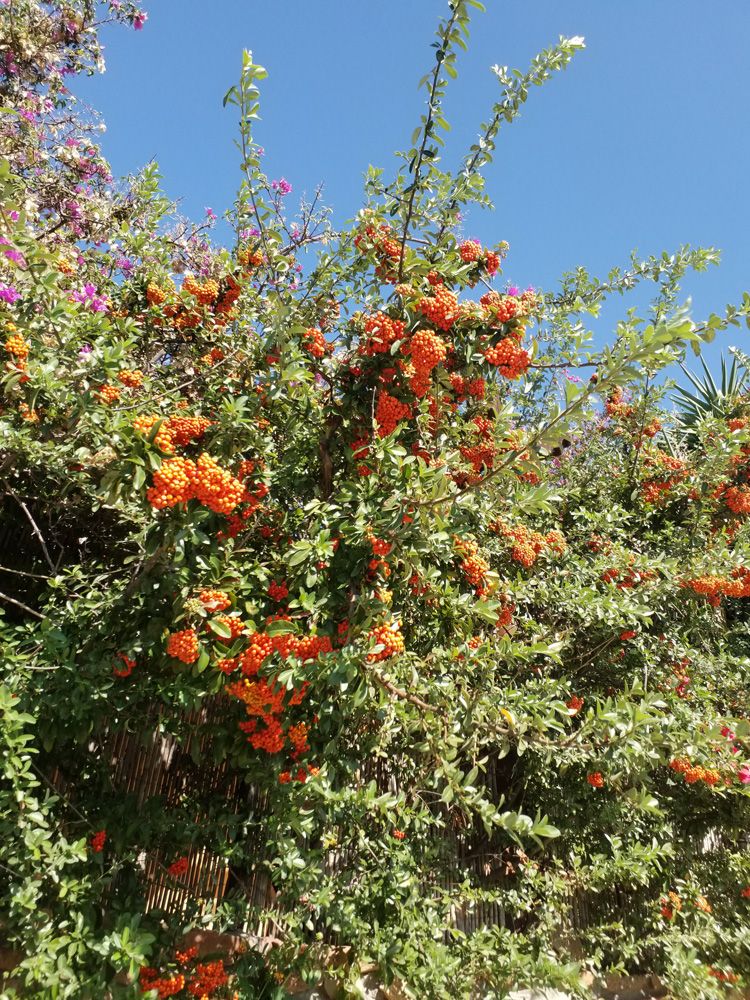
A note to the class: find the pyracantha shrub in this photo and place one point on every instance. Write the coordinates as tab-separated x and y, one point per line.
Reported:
355	610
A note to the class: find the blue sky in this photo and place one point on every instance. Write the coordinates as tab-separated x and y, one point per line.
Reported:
642	143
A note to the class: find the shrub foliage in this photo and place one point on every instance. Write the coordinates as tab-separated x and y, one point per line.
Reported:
407	566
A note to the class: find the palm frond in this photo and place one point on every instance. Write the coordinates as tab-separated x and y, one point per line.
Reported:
708	398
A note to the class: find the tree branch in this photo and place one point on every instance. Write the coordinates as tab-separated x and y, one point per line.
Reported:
19	604
431	105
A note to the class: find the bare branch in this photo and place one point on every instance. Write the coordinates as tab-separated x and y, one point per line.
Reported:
20	604
34	527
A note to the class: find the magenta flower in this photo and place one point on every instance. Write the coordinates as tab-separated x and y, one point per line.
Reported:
282	186
9	294
744	774
16	256
140	19
513	290
90	297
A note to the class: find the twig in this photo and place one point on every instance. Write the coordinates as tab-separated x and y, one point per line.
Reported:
399	693
431	104
20	604
34	527
20	572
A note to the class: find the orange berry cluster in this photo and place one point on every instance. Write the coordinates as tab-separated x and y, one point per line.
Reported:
480	455
315	343
186	429
723	975
183	645
441	308
464	387
205	292
693	774
500	308
178	867
173	483
97	841
17	346
377	238
180	479
154	294
508	357
656	458
624	579
127	667
470	251
183	957
427	351
165	986
389	637
655	491
737	499
574	704
235	625
174	431
382	332
163	439
492	261
286	776
216	488
652	428
28	414
714	587
379	545
473	566
278	591
227	299
595	779
527	545
360	451
616	406
503	308
209	977
250	258
389	412
108	394
132	378
265	702
505	616
670	904
252	500
214	600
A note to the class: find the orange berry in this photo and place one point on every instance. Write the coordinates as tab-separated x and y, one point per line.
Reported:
184	646
108	394
130	377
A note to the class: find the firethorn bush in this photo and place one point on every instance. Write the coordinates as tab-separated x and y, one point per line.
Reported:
442	609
